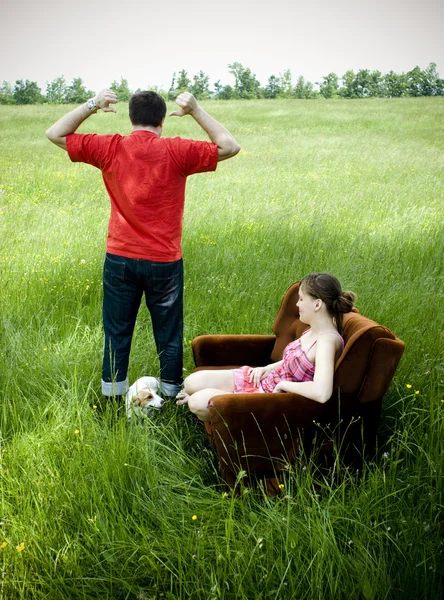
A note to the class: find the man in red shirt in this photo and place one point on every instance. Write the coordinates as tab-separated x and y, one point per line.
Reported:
144	175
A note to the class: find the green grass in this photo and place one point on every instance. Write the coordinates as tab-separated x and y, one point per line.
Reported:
105	510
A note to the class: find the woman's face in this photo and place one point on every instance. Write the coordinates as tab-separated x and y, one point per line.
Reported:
306	305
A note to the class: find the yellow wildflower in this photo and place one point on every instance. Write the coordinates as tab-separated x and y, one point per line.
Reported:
76	432
20	547
281	486
417	392
408	386
194	517
3	545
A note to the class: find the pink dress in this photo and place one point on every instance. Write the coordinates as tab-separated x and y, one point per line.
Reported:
295	367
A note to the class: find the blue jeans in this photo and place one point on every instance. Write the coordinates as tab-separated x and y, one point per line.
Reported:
125	280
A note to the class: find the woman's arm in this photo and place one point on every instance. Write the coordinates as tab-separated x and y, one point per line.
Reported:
321	388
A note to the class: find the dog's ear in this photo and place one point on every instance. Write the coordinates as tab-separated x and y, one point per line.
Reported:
144	395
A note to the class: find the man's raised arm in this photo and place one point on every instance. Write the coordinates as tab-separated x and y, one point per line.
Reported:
217	133
70	122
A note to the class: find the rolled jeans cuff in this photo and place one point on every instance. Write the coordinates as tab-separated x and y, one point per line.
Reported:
115	388
170	389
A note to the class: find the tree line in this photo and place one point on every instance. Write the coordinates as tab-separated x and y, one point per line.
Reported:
362	84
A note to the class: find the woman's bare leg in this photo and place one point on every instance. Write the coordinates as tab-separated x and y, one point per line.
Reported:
203	380
198	402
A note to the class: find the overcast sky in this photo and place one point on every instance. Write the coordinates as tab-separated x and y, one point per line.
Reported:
146	41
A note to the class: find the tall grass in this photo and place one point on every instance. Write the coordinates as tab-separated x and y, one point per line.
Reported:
93	508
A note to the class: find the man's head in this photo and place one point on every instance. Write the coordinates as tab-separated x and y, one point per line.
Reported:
147	109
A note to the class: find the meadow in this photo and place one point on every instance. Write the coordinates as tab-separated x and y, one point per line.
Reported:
92	508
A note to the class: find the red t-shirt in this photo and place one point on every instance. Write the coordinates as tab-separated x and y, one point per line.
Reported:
145	178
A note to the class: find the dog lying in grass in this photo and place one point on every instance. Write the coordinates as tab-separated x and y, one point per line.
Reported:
141	399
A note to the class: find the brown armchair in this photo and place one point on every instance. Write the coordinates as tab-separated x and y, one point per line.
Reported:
262	433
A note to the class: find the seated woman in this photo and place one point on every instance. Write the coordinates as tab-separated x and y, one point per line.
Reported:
307	366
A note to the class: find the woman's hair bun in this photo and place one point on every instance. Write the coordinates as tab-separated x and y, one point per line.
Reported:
345	302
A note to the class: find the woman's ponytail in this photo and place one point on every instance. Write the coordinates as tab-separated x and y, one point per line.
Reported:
343	304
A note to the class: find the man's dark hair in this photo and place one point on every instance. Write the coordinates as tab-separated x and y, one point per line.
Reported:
147	109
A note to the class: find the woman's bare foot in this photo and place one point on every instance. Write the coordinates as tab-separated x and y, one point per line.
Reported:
182	398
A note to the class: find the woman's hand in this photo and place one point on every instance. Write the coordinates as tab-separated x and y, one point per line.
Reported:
255	375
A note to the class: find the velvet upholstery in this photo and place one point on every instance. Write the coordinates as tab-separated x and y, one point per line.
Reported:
262	433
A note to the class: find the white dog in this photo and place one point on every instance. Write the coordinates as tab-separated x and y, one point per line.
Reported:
141	399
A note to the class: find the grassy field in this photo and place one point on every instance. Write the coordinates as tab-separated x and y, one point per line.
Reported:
94	509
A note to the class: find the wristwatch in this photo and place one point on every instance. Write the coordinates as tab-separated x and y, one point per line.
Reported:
92	105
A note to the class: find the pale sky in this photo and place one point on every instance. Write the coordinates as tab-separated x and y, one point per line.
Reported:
146	41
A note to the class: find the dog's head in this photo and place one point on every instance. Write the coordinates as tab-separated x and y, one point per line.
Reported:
144	403
147	397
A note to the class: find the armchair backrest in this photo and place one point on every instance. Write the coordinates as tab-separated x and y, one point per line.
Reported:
370	357
287	327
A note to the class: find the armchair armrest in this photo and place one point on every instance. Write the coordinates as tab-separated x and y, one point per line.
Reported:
232	350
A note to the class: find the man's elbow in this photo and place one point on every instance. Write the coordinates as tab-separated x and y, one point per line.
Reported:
50	135
56	139
229	150
235	149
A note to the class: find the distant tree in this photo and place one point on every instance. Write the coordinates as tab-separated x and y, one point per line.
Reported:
429	81
414	82
375	86
273	87
56	90
246	85
329	87
367	84
27	92
183	82
227	93
285	84
77	93
299	88
6	93
200	88
179	83
121	89
360	83
303	89
346	90
223	92
160	91
172	89
395	85
217	89
310	92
